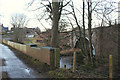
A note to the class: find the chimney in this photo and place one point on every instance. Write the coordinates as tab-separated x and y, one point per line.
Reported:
2	25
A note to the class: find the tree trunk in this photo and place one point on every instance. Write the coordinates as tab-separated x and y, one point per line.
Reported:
55	22
89	29
84	40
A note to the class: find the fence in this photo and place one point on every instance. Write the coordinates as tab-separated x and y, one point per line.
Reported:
48	55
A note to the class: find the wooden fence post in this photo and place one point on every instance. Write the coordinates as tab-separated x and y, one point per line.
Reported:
55	57
74	61
110	66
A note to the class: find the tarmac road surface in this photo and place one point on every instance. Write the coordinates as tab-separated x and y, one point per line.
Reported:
14	67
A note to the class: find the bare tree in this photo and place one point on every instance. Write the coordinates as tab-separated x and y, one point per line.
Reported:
105	10
90	8
89	28
19	21
55	23
84	35
54	11
81	40
63	24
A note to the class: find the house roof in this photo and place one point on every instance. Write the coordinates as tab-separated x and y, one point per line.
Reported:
6	28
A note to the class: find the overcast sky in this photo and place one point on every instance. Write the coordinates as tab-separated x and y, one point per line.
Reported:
10	7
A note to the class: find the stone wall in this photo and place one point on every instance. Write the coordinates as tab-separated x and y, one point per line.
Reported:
106	42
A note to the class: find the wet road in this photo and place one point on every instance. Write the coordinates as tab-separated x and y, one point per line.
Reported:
14	67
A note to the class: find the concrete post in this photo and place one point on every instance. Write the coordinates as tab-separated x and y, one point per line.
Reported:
57	57
52	58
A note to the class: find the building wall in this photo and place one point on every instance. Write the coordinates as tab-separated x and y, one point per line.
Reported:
3	29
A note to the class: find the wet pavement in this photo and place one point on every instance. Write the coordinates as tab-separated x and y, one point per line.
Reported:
14	67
